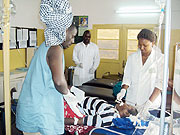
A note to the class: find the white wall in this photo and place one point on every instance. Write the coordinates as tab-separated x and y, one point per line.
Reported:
103	11
175	14
99	12
27	14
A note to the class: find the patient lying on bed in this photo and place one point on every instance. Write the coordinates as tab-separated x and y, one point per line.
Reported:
98	112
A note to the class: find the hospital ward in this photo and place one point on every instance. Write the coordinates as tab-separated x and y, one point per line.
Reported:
89	67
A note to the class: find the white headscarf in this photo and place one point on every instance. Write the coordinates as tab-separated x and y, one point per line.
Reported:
57	15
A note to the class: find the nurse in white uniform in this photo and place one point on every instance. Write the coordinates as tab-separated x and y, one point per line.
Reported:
176	97
87	59
143	74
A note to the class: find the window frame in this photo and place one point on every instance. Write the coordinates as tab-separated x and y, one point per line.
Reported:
109	26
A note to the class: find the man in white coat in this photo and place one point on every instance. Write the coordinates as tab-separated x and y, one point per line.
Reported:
143	75
87	59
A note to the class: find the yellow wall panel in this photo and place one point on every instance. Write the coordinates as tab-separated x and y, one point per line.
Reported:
104	67
68	56
40	36
17	59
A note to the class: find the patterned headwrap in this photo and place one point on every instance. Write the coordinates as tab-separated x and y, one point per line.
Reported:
57	15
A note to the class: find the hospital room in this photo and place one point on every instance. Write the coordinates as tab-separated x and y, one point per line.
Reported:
97	67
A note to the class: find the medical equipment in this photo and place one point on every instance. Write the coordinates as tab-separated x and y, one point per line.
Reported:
166	61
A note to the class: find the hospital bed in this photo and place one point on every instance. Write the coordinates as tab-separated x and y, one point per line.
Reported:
104	83
115	130
147	127
143	127
102	93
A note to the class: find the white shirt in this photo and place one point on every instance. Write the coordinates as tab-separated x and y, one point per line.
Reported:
177	73
88	55
176	107
142	79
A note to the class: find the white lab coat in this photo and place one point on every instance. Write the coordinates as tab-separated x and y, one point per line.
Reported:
177	73
176	107
142	79
89	57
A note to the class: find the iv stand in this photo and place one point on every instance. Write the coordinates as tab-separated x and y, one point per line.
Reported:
166	62
6	65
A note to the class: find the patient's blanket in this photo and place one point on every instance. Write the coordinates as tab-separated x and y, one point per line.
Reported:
127	126
68	113
116	131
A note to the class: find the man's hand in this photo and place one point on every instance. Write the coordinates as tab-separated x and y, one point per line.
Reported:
80	65
121	94
92	70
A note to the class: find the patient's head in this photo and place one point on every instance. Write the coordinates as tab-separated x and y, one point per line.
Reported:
126	110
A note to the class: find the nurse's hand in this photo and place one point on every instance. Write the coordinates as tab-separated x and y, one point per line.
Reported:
121	94
144	111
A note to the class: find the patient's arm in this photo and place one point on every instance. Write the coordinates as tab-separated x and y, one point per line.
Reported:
70	121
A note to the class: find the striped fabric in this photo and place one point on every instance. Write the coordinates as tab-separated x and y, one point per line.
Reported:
98	112
57	15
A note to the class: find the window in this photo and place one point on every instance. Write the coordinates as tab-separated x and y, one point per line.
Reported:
108	42
117	41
